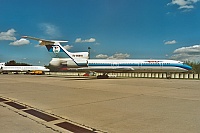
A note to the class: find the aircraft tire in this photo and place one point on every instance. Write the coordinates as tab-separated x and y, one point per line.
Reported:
102	77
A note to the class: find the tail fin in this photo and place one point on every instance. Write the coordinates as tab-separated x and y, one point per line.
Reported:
56	50
60	51
53	46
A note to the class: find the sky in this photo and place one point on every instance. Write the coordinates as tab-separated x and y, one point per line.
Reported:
113	29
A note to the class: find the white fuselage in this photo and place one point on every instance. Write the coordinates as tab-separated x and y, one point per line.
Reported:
142	65
118	65
22	68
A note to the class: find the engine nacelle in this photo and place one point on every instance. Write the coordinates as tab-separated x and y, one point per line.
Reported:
69	62
55	62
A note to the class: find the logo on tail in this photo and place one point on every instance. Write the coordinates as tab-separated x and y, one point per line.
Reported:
56	49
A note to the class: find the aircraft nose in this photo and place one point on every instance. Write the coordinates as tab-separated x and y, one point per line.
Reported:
188	67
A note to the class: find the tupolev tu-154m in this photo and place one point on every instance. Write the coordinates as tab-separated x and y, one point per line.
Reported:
79	61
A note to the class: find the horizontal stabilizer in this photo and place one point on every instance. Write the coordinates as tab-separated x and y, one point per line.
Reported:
43	41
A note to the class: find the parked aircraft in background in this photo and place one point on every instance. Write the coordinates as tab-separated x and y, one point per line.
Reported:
2	64
79	61
28	69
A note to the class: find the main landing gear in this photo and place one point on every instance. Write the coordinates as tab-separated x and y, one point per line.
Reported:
168	75
104	76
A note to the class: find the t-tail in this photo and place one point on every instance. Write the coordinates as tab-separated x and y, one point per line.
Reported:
57	52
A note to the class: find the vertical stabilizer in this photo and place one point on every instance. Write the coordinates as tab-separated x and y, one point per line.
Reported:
56	50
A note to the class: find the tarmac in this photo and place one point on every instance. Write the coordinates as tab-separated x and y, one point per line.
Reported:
46	104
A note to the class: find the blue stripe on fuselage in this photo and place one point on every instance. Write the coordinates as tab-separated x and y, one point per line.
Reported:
145	64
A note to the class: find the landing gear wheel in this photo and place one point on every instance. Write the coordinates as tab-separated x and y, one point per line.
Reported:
103	76
168	75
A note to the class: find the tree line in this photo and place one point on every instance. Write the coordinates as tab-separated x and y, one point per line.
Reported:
14	63
195	66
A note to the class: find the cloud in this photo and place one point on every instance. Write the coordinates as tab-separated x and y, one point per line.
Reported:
50	29
171	42
190	50
68	47
9	35
186	7
119	56
79	40
184	4
102	56
191	53
20	42
115	56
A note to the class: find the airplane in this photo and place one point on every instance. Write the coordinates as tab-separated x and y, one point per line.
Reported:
28	69
79	61
2	64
